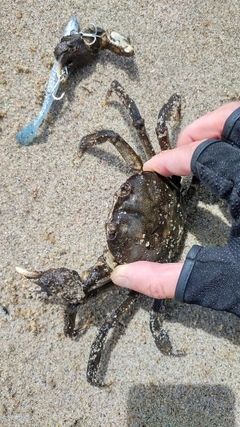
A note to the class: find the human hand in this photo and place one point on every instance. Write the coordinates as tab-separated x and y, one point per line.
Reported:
160	280
178	160
208	126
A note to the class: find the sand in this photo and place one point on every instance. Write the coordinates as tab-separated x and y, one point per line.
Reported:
54	205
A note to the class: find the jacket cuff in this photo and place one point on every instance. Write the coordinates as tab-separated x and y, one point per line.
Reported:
231	126
186	272
198	151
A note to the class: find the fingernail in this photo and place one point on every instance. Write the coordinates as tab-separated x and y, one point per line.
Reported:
121	281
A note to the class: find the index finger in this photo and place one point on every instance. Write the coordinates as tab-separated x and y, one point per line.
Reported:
173	162
208	126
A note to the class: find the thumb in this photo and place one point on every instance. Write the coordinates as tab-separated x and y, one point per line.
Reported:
150	278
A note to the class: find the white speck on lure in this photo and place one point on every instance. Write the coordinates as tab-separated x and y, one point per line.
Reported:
26	135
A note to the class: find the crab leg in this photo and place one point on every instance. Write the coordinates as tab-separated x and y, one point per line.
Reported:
169	112
131	158
97	345
159	334
137	120
71	310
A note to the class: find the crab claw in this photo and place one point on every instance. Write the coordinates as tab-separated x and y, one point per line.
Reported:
60	284
34	274
116	43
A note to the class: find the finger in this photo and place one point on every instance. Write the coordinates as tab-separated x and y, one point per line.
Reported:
172	162
149	278
208	126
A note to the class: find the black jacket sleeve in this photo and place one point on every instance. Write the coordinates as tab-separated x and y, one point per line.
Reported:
210	276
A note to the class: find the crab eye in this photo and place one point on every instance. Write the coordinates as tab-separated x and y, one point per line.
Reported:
125	189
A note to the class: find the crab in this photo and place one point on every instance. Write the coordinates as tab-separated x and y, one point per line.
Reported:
146	222
80	48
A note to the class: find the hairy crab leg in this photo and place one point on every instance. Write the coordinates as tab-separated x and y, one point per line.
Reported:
169	112
137	120
26	135
98	343
159	334
131	158
169	115
71	310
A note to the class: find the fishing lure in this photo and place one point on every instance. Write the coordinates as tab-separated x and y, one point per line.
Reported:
58	74
75	50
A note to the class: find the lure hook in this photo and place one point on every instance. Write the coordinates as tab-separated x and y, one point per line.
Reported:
93	35
62	78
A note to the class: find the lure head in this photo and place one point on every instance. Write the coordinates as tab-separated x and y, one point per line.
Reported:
71	27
